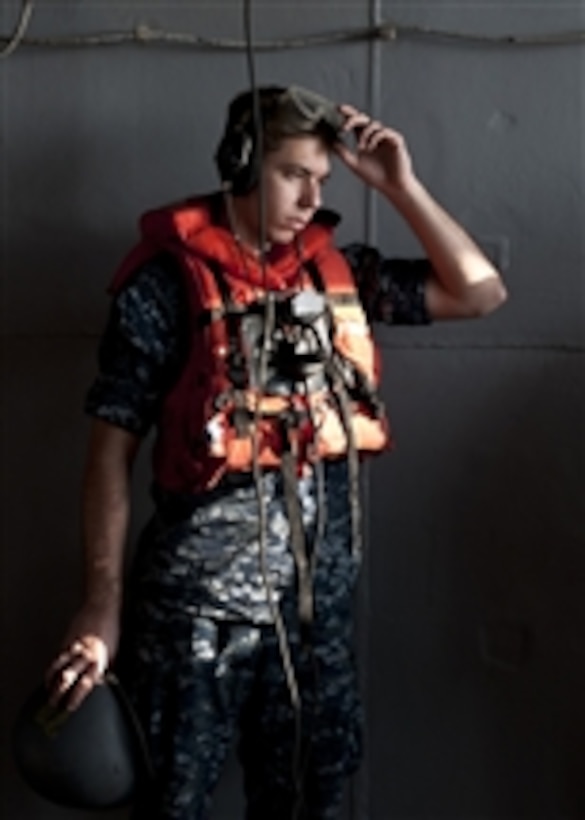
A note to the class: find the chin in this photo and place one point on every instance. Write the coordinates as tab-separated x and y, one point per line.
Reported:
282	236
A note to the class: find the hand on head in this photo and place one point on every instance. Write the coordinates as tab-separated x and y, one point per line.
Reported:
380	157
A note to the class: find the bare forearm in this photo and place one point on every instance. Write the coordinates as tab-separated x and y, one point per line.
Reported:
106	513
92	638
465	283
462	271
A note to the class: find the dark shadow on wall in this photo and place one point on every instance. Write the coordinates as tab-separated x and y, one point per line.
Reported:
73	204
73	198
64	230
527	569
478	569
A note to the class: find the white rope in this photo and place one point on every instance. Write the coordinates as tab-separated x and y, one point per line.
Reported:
145	35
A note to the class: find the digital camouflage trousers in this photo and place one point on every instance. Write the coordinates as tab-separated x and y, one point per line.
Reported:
203	663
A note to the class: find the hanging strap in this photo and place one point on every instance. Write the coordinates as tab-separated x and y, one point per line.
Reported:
340	390
288	469
237	365
342	399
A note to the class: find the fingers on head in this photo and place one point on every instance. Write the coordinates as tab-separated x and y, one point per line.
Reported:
356	120
372	135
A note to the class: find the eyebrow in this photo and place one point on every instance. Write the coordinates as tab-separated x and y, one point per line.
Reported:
295	166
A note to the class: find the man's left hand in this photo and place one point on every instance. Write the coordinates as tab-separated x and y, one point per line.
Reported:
380	158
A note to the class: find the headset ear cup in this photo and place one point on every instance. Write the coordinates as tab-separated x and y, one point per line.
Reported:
247	178
236	161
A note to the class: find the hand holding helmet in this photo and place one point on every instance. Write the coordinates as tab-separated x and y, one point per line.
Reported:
76	740
90	645
92	758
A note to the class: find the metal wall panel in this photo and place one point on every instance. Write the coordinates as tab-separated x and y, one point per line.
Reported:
470	609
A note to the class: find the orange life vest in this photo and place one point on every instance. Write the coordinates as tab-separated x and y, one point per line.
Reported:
208	425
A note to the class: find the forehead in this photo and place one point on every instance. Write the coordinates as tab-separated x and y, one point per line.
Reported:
309	152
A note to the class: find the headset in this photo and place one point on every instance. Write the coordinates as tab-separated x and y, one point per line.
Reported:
296	111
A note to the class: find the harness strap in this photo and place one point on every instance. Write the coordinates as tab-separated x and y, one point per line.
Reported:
319	284
232	317
359	386
238	373
364	388
341	396
315	274
340	392
288	469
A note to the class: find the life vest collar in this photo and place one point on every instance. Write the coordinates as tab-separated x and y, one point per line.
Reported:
198	227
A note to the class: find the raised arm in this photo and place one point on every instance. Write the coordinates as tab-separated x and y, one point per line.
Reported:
464	283
91	641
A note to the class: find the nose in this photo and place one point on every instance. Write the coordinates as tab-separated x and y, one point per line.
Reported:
311	194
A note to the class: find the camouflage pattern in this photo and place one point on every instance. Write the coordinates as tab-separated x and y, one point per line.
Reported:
200	654
203	659
392	291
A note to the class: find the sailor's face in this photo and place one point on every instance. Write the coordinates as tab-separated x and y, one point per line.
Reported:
292	179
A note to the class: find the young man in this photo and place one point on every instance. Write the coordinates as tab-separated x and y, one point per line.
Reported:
240	609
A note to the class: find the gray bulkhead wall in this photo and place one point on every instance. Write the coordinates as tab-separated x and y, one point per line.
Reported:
471	607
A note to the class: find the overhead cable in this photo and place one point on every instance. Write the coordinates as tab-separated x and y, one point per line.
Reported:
144	34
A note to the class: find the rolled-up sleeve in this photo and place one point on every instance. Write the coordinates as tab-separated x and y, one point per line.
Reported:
391	290
140	350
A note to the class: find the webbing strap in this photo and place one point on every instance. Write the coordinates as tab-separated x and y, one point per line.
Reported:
238	372
288	469
313	270
319	284
340	393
